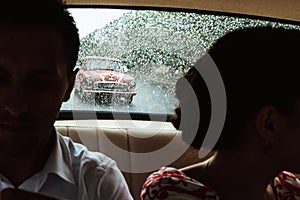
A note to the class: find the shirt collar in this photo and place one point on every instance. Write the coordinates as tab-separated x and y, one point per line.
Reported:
59	161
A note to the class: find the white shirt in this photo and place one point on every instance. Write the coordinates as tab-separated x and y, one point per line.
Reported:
74	173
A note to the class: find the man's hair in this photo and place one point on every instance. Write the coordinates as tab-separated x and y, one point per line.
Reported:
46	12
259	67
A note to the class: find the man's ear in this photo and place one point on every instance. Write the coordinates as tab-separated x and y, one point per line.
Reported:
266	123
71	82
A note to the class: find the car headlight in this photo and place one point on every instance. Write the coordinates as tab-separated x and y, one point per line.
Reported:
132	83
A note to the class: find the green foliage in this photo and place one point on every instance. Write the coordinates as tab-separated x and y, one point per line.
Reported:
147	40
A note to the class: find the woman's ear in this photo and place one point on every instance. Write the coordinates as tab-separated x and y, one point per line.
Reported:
266	123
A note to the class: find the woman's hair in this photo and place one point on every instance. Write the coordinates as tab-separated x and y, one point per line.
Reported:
259	66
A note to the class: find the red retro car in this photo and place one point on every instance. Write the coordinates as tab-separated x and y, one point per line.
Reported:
104	79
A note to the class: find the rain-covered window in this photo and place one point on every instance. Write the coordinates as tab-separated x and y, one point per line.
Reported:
130	60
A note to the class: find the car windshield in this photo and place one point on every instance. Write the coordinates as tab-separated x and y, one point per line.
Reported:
101	64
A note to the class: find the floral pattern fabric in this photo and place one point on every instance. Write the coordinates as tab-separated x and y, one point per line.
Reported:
169	183
287	186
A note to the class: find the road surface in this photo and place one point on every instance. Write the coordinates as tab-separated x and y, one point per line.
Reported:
150	98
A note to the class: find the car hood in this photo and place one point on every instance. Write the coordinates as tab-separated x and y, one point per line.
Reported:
109	76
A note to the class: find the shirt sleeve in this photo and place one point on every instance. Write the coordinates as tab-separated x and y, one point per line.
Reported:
113	185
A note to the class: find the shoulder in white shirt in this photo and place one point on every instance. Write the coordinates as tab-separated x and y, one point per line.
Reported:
73	172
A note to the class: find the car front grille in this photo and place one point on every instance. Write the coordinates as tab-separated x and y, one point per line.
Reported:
109	86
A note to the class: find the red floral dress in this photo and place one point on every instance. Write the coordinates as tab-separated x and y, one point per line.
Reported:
169	183
287	186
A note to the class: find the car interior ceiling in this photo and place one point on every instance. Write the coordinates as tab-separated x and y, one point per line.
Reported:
286	10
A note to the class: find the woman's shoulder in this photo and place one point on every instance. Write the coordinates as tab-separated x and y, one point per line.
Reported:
171	183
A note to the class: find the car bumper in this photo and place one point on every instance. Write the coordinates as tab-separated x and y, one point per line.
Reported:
109	92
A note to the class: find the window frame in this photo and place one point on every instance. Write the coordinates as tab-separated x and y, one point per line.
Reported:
87	115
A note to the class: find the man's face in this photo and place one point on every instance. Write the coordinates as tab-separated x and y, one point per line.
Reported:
33	84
